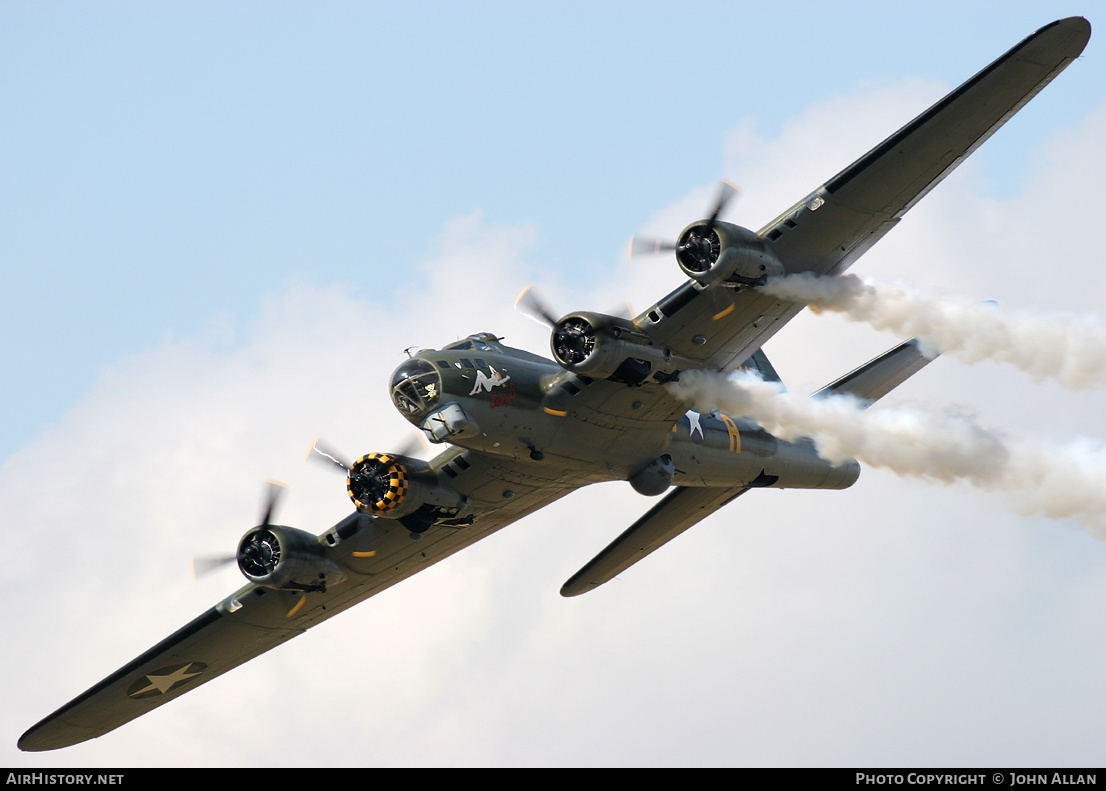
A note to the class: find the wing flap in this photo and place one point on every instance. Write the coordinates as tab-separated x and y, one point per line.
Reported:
679	510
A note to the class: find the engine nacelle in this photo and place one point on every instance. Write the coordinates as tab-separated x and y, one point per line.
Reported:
725	254
608	347
397	487
279	557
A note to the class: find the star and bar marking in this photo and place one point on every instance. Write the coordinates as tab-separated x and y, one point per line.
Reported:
166	679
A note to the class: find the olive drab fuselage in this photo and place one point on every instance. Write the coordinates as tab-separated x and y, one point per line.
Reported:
488	398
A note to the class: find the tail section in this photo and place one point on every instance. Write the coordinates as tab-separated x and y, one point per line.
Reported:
759	361
875	379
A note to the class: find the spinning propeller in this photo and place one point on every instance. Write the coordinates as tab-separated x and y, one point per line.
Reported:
373	482
700	243
360	479
260	552
531	305
576	335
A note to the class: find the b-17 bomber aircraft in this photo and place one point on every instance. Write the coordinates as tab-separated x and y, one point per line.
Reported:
520	431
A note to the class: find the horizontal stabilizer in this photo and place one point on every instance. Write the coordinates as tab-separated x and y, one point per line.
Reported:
875	379
759	361
678	511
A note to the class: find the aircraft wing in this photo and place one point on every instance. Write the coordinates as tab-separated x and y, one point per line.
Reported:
875	379
213	643
255	619
679	510
834	225
722	328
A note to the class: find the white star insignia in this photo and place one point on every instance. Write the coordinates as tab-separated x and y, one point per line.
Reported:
693	423
166	681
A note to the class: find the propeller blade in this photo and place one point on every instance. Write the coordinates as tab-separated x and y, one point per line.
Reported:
726	192
316	451
625	311
202	565
273	492
414	446
647	245
530	305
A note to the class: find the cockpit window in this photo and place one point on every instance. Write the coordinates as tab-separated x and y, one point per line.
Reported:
479	342
416	387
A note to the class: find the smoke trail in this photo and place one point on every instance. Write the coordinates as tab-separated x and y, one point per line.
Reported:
1057	482
1067	348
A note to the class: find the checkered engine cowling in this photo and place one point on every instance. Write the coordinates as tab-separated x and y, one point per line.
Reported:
378	483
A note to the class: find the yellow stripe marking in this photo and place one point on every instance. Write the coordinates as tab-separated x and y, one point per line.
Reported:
555	412
724	313
299	604
364	554
731	429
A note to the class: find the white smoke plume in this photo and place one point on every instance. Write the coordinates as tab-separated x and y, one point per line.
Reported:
1057	482
1070	349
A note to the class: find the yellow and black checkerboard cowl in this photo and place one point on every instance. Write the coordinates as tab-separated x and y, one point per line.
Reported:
393	493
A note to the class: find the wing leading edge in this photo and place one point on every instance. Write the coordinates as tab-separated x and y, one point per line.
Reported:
254	619
847	215
168	670
830	228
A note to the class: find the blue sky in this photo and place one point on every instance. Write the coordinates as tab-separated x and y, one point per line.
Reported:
170	163
224	223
